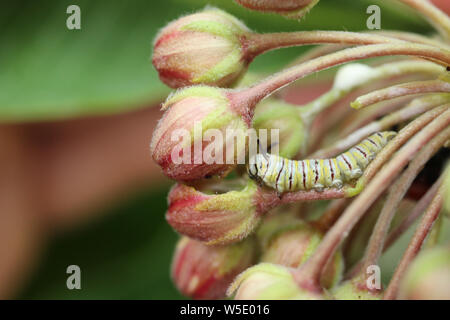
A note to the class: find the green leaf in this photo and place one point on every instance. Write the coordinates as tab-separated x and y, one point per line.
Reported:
48	72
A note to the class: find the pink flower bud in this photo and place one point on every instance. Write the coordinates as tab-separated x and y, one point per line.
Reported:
428	276
290	8
201	48
267	281
355	289
216	218
205	272
275	114
179	144
292	245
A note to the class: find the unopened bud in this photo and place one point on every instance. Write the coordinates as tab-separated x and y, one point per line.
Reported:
292	245
201	48
428	277
215	218
274	114
180	144
275	221
355	289
205	272
294	9
267	281
446	190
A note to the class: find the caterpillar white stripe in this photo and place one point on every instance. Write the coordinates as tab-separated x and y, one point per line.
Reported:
284	175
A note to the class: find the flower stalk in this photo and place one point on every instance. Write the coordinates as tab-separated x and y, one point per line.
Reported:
413	109
396	194
435	16
309	274
400	90
425	225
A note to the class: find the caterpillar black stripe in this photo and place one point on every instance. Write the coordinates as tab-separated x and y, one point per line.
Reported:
290	175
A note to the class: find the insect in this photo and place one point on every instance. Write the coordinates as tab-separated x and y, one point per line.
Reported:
291	175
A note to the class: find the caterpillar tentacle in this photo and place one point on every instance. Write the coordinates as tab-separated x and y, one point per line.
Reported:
284	175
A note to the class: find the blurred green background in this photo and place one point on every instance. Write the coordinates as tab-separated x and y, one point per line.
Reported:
49	73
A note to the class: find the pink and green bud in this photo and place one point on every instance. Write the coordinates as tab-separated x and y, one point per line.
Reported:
267	281
216	218
446	189
275	114
292	245
355	290
181	144
200	271
201	48
293	9
273	222
428	277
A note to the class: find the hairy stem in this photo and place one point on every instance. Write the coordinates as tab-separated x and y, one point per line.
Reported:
308	276
395	196
435	16
404	135
385	71
418	209
414	246
400	90
416	107
259	43
331	214
244	100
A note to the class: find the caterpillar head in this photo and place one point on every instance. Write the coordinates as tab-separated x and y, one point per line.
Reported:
257	166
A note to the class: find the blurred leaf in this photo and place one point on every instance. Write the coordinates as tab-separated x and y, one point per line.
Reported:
50	72
126	255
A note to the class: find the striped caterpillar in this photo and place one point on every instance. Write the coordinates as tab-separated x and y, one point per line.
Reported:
291	175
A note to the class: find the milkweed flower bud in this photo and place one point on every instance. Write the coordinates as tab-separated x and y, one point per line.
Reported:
201	48
292	245
353	290
428	277
446	195
273	114
273	222
267	281
200	271
180	144
216	218
294	9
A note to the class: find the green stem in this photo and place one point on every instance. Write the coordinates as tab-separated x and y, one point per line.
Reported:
401	90
435	16
414	246
308	275
416	107
395	196
245	100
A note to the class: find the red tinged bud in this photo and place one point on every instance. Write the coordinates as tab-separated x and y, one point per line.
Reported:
216	218
266	281
201	48
428	276
200	271
180	142
292	245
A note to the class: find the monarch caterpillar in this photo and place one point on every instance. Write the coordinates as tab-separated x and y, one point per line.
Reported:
291	175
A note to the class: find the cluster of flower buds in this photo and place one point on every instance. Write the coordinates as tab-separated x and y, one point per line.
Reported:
205	56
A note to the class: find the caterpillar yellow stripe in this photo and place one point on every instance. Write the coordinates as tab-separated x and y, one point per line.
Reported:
284	175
